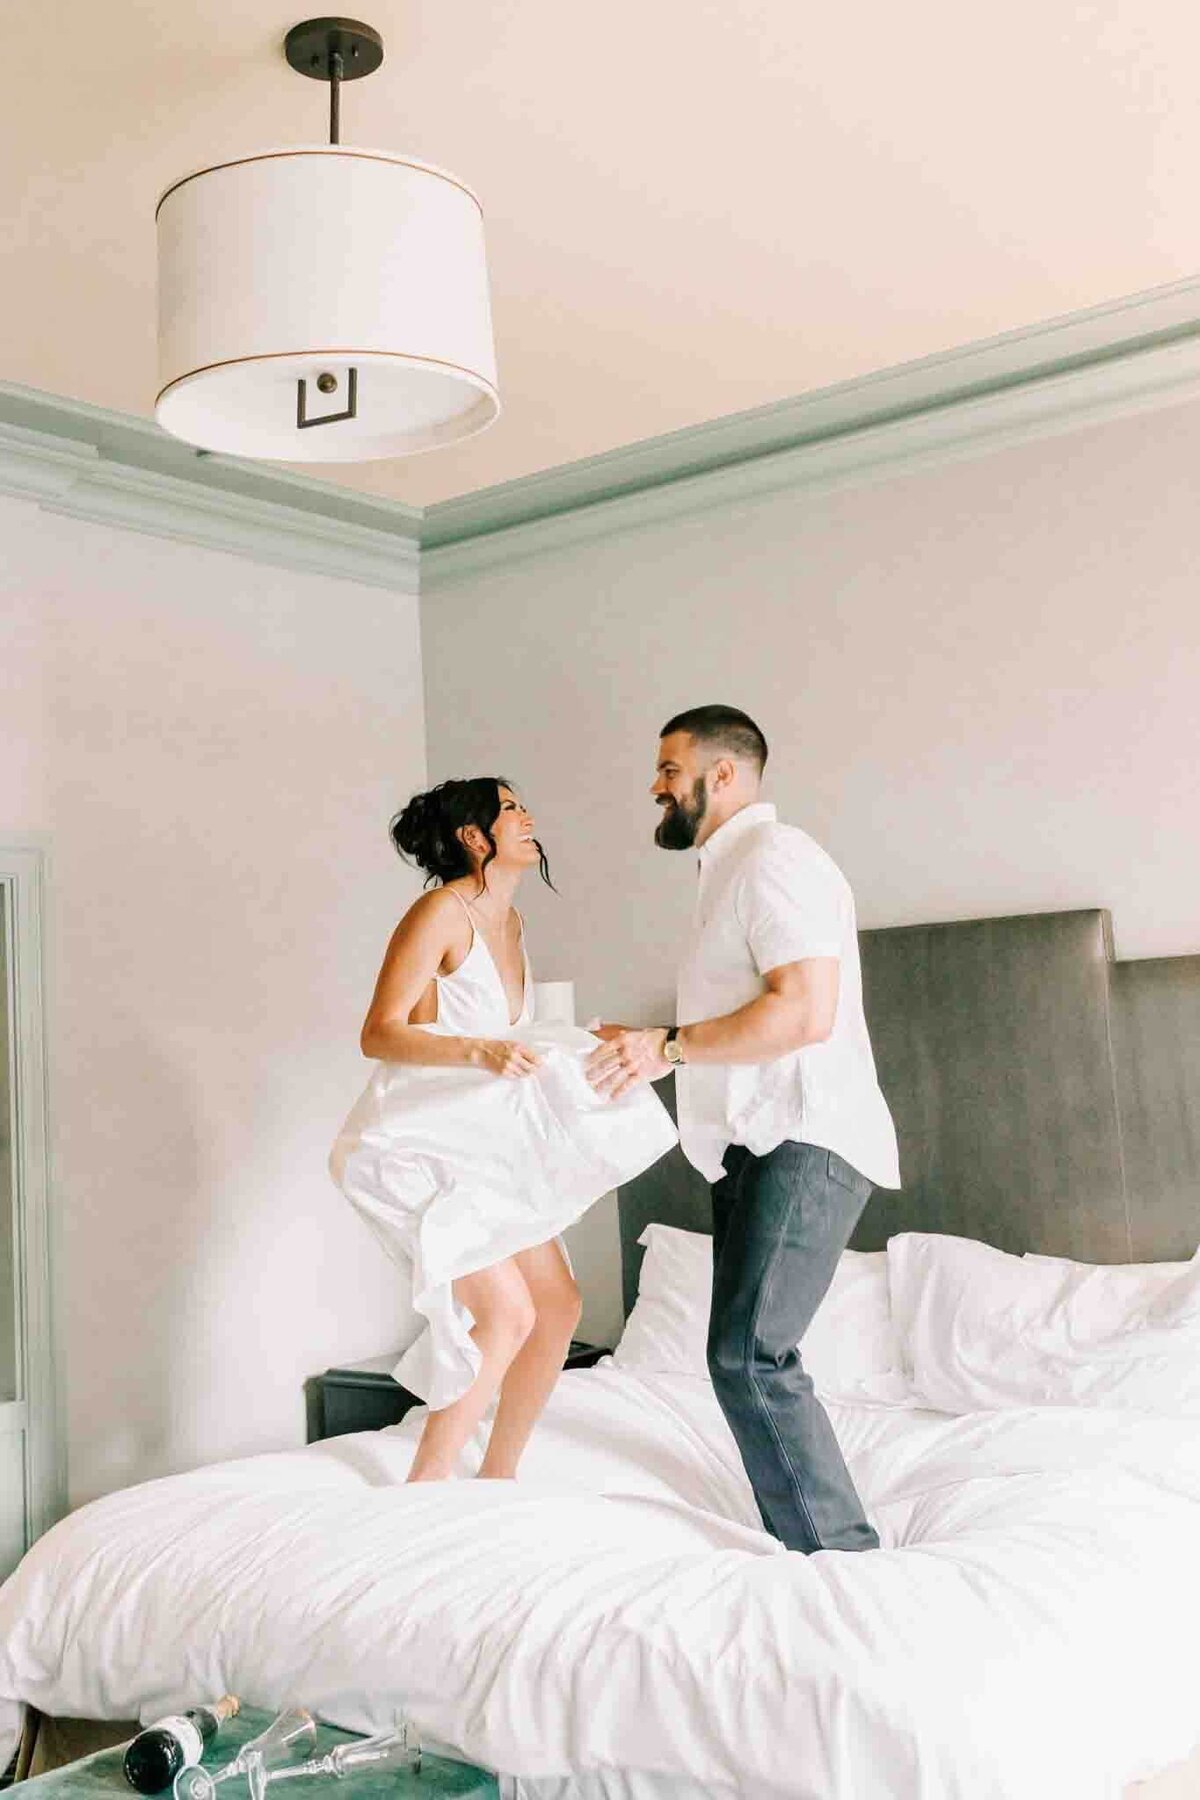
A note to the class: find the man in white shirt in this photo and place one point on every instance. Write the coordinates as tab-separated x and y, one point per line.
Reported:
779	1106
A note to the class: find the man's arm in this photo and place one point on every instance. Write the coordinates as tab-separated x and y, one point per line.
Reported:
797	1007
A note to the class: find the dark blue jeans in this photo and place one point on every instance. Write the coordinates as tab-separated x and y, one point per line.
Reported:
780	1222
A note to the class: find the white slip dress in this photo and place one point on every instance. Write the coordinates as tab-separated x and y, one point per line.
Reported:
455	1169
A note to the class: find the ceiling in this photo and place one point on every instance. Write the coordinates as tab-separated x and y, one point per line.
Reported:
692	206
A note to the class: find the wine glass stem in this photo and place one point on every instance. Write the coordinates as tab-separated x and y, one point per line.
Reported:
318	1766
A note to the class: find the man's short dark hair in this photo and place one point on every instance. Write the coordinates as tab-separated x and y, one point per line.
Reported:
722	728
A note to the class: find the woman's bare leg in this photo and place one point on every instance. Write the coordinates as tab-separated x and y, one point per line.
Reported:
503	1309
538	1364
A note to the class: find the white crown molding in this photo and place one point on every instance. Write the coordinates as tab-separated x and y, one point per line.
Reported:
1134	355
105	467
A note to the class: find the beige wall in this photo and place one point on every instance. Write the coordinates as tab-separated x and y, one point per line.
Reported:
979	682
209	751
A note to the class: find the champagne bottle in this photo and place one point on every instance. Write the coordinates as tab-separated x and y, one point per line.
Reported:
156	1755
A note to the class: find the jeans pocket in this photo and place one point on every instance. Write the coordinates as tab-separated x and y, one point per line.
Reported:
844	1175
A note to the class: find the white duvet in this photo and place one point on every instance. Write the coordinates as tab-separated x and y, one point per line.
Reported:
1027	1631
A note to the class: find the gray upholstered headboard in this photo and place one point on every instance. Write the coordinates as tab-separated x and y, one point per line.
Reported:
1046	1097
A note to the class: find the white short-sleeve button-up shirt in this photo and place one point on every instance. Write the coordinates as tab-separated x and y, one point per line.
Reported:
768	895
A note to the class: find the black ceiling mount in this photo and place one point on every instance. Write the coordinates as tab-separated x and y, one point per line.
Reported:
310	48
333	50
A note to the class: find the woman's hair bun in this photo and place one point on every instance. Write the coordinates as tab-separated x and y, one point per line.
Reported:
425	832
410	826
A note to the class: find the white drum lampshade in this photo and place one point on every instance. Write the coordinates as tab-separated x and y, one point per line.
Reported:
298	285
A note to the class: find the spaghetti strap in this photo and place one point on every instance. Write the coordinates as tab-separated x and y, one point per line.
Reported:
475	934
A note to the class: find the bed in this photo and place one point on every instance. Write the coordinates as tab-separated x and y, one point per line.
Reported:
1009	1358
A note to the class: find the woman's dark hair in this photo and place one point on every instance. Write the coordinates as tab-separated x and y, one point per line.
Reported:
426	831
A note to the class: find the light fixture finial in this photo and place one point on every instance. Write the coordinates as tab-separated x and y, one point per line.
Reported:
334	50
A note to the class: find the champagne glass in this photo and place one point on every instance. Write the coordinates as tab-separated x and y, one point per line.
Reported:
290	1734
399	1748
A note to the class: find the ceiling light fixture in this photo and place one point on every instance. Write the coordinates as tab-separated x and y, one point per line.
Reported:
323	303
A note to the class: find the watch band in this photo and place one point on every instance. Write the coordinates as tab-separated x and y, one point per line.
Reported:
671	1042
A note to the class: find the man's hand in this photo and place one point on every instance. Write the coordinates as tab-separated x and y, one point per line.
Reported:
626	1057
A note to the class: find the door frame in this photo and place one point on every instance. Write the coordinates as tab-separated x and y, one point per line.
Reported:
22	874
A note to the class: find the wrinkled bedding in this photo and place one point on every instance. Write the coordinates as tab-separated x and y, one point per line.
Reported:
1027	1629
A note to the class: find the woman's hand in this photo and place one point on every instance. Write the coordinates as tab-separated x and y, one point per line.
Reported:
503	1056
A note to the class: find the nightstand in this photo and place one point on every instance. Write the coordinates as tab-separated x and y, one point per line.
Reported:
362	1396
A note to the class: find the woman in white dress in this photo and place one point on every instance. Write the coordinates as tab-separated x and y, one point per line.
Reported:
478	1137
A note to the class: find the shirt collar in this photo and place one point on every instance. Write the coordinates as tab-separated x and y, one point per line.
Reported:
760	812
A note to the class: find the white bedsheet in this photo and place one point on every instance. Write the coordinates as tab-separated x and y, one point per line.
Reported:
1027	1631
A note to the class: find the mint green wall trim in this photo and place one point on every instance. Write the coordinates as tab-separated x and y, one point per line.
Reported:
1137	353
118	470
1130	355
22	873
14	1507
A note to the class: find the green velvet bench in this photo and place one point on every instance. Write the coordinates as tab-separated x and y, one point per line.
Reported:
99	1776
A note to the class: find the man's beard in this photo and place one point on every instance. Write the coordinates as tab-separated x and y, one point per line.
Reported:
681	819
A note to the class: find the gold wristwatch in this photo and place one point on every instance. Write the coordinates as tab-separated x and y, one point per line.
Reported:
672	1048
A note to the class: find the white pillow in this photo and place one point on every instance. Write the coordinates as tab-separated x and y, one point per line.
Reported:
981	1329
667	1330
1122	1282
849	1349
